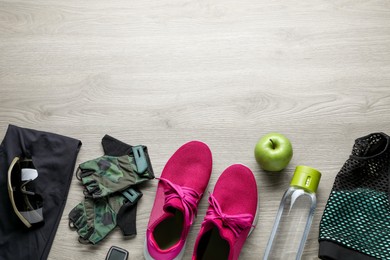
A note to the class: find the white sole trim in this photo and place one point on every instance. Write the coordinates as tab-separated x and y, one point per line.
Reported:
256	218
149	257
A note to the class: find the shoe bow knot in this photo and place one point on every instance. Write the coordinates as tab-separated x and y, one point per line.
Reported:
189	197
236	223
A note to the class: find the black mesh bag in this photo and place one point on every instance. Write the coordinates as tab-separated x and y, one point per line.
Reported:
356	220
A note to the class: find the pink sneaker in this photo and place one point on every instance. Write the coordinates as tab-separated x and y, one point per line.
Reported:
180	188
230	217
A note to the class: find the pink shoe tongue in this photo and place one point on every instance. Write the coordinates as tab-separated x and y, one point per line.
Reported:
174	203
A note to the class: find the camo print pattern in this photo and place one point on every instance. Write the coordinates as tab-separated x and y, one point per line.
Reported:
94	219
108	174
104	179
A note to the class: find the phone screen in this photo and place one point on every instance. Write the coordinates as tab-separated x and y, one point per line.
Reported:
117	255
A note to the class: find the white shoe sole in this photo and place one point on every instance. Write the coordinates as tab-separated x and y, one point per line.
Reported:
149	257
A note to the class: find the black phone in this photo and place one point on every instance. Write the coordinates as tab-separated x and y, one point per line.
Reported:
117	253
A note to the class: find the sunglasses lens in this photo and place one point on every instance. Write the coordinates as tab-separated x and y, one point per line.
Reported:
26	203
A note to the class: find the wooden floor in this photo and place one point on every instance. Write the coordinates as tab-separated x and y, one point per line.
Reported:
161	73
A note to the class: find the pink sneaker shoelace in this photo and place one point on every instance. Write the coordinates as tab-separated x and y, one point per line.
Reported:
236	223
189	198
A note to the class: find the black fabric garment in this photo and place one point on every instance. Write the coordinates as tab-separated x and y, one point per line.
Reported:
127	215
54	157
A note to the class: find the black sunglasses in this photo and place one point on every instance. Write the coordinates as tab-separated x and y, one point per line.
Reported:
27	204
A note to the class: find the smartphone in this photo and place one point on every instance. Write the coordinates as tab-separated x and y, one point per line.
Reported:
117	253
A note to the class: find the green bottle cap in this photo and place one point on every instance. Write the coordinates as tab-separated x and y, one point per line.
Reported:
306	178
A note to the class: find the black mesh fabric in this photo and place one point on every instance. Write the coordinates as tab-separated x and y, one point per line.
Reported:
356	219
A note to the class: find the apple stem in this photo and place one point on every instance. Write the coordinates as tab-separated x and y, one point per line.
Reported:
273	144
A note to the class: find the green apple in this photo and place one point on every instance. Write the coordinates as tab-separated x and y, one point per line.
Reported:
273	152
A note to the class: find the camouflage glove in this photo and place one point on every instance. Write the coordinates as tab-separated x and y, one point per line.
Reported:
108	174
110	200
94	219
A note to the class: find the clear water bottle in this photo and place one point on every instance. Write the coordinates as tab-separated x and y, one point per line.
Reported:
294	217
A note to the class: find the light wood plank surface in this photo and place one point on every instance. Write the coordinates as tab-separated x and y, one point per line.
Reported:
161	73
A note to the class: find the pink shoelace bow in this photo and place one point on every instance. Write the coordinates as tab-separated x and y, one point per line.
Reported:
189	197
236	223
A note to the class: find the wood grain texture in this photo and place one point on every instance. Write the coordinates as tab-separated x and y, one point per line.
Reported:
161	73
